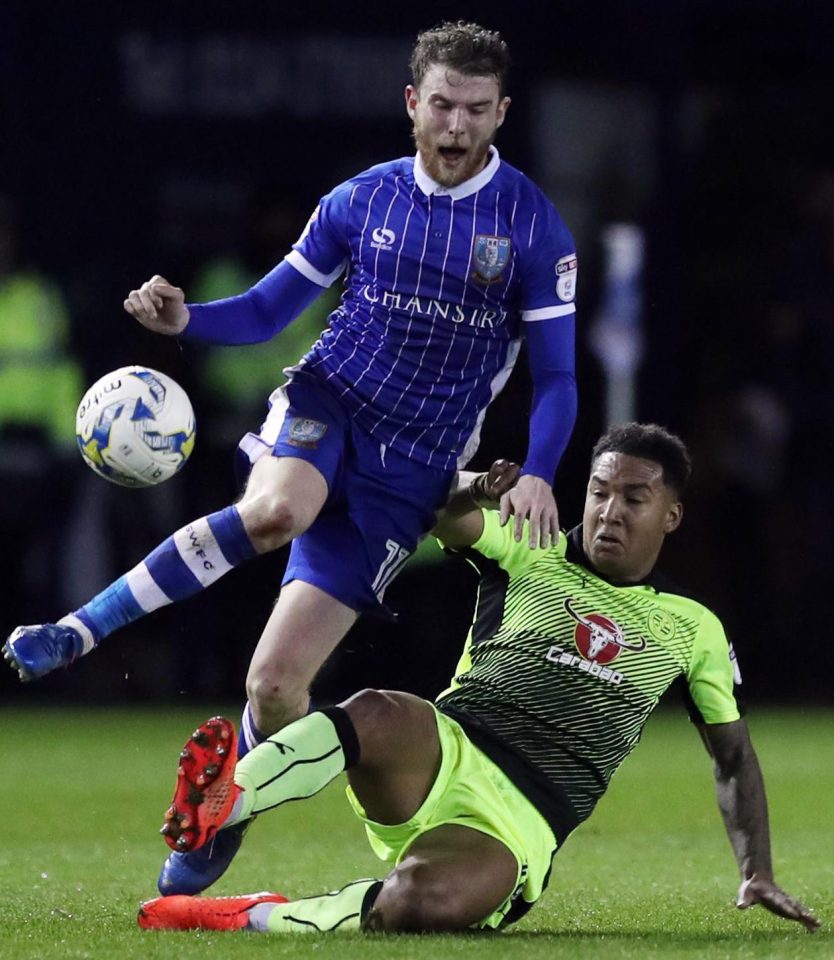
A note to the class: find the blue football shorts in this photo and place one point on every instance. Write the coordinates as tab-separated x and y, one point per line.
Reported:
380	504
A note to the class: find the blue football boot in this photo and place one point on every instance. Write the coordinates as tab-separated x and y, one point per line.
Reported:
36	650
191	873
203	799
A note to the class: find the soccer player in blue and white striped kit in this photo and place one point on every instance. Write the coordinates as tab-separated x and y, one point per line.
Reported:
449	259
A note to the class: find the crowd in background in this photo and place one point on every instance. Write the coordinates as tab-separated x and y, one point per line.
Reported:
738	321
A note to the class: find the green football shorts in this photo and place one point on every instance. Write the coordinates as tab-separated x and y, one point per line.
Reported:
472	791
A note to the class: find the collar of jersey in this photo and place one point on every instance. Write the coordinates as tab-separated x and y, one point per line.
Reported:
466	189
575	553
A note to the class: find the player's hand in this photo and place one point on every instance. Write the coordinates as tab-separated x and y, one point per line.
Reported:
159	306
500	478
532	499
765	892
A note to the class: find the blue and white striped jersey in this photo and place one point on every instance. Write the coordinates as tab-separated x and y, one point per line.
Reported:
439	281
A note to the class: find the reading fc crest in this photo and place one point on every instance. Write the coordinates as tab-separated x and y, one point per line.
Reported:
491	255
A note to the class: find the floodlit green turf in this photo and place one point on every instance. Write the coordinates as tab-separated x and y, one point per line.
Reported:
651	875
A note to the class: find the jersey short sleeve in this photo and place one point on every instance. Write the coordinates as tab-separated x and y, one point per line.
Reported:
498	543
548	267
713	674
322	250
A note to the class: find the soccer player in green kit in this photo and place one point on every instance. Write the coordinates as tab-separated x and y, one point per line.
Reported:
571	648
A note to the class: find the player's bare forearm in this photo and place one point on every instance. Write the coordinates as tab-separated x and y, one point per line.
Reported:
460	522
741	798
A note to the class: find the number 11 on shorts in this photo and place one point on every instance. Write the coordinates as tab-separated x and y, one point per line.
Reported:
396	557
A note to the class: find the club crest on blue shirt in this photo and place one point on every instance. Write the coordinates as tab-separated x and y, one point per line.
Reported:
491	255
304	432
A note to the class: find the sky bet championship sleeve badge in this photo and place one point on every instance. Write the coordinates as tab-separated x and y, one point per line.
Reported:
491	255
566	277
306	433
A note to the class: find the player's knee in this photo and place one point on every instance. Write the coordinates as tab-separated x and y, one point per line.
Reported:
374	714
414	899
374	709
275	700
270	520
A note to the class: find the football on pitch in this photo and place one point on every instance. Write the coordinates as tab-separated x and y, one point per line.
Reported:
135	427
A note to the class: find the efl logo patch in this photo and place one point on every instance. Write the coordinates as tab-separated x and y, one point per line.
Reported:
306	433
491	255
566	269
736	671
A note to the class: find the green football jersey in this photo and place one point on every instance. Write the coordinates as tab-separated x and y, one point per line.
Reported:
561	668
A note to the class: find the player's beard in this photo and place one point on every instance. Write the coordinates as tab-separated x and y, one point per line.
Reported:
470	165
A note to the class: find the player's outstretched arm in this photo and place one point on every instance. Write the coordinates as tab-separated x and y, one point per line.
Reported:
743	804
460	523
159	306
550	354
250	317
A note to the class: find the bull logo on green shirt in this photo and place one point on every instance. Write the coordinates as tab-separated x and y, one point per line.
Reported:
598	638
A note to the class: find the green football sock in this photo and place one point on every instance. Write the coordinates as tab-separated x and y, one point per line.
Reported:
295	763
343	909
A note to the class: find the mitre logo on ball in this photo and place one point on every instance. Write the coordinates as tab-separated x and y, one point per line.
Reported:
135	427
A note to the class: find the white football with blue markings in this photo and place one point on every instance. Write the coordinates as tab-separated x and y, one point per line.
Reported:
135	427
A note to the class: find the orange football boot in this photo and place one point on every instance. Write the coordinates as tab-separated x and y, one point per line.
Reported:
205	791
202	913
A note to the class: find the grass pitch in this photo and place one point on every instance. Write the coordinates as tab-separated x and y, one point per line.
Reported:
650	875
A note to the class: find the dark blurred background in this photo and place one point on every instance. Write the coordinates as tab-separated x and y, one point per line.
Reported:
688	146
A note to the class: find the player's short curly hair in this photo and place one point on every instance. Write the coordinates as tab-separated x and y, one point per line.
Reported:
466	47
650	442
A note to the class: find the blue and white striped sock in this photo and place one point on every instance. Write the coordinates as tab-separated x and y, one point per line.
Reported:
249	735
184	564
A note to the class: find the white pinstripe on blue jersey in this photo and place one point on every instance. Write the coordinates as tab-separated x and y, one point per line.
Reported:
438	283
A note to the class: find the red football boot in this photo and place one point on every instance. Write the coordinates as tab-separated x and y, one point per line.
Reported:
205	791
202	913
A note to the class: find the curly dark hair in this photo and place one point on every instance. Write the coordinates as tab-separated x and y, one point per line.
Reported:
466	47
650	442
